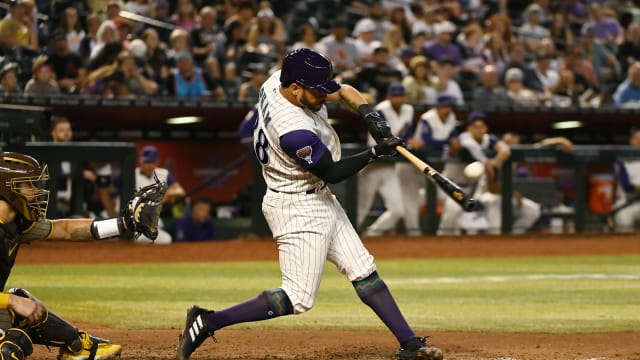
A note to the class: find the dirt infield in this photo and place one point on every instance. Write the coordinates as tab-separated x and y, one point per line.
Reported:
332	345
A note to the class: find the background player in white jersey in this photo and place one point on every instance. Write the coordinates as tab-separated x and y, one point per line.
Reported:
479	145
436	132
628	185
300	154
381	177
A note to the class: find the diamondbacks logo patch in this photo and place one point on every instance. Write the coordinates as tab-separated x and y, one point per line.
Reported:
305	154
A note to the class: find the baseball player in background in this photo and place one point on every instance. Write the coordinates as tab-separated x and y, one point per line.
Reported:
300	153
628	185
24	320
479	145
436	132
381	177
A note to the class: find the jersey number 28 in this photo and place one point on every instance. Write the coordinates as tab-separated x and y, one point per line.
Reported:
261	147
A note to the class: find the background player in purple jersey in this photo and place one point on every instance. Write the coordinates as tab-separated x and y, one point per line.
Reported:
300	153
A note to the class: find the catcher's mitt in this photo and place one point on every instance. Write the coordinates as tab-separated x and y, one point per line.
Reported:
143	210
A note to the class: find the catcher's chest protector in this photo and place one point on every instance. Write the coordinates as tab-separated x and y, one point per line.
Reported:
8	250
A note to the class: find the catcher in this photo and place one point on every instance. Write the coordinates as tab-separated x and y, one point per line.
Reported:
24	320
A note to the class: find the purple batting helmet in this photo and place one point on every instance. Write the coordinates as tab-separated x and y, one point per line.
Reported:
309	69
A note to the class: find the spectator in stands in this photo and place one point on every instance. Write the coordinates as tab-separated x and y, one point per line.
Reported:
160	12
9	80
604	61
197	225
472	60
394	41
500	25
178	42
376	79
112	11
496	52
577	15
132	82
531	32
267	34
140	7
629	50
156	58
549	77
19	24
628	187
186	81
627	94
577	61
366	42
340	48
445	70
307	38
42	83
207	42
72	29
90	39
490	91
419	86
67	66
606	28
560	32
256	73
443	47
107	47
518	59
186	15
518	93
244	15
376	15
398	17
144	175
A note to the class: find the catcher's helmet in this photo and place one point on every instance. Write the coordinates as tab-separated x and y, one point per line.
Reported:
22	184
309	69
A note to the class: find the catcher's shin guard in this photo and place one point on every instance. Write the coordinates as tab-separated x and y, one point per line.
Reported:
52	330
15	344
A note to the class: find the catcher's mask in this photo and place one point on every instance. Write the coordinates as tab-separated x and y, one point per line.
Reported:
23	184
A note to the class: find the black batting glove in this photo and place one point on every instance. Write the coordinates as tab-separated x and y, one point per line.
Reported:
377	125
386	148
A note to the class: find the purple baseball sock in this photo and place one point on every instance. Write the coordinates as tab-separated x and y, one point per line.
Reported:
374	292
269	304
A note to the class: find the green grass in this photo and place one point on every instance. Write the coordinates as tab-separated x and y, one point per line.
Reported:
537	294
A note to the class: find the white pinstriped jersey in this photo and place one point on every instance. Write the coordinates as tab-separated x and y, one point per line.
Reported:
399	122
277	117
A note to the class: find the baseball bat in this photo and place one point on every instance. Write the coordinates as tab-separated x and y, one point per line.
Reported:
449	187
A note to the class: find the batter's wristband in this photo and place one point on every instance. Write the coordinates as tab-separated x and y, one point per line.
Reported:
365	109
107	229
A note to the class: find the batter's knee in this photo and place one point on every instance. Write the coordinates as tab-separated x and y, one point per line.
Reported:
15	344
277	302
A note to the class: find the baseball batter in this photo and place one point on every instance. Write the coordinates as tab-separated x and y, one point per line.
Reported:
24	320
381	177
300	154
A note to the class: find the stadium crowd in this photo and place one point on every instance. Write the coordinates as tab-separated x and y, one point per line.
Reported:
528	53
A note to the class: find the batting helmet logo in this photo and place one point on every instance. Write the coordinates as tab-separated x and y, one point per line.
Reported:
310	69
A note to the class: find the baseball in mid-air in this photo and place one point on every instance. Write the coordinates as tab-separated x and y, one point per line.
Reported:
474	170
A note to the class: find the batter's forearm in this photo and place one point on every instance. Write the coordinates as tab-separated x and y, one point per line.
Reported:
334	172
350	98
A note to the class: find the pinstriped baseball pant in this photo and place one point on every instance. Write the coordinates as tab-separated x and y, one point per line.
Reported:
309	230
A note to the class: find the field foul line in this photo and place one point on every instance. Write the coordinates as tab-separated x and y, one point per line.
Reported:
507	278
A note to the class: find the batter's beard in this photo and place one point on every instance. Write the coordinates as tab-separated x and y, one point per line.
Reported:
311	106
